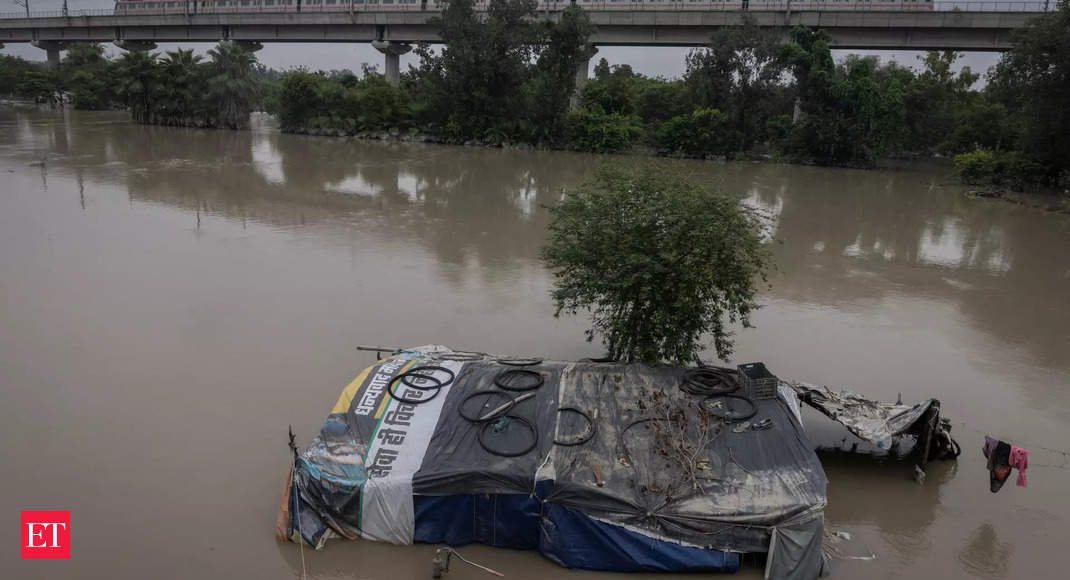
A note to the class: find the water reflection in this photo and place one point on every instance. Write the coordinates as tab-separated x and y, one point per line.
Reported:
844	236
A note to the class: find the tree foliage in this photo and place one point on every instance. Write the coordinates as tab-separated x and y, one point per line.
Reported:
1032	81
740	74
853	112
659	261
88	75
474	83
596	131
703	132
184	90
339	103
231	90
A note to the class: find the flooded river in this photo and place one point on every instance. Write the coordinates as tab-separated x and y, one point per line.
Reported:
170	300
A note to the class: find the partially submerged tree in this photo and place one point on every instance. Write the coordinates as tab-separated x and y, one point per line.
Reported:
139	84
231	86
658	260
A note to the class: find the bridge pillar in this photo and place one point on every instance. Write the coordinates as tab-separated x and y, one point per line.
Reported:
393	51
135	45
51	48
582	70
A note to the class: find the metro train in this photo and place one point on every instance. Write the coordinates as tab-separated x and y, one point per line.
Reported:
254	6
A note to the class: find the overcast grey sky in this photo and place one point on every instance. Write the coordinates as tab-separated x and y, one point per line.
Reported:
663	61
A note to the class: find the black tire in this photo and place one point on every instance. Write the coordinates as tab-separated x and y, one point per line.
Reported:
589	432
736	417
519	362
415	372
519	419
394	381
501	382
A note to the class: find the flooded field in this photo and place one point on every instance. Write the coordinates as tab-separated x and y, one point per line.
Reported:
171	300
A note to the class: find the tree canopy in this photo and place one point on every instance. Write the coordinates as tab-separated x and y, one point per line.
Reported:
659	261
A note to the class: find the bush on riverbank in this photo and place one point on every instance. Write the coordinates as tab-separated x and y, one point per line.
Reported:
596	131
703	132
338	103
1011	169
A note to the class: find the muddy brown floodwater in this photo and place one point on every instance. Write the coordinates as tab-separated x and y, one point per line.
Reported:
170	300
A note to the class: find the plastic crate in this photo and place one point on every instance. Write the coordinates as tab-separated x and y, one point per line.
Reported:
758	381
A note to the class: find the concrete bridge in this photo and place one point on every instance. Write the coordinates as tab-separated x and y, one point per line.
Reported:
978	26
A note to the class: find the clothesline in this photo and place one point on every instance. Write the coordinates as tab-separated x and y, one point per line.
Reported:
1065	454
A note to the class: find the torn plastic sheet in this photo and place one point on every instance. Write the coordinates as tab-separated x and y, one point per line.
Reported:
873	421
387	471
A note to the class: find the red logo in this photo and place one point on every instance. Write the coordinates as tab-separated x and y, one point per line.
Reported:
46	535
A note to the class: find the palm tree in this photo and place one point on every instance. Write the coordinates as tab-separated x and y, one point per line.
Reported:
231	86
139	84
184	88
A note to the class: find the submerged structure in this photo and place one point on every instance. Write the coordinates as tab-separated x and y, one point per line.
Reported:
600	466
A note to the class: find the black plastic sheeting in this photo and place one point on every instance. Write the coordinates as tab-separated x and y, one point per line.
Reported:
752	484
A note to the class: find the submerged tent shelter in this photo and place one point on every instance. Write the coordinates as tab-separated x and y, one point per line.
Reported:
600	466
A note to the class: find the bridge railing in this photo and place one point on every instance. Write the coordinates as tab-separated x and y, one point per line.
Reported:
258	7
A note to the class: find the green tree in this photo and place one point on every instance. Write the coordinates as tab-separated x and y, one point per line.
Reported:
138	84
661	100
739	73
853	113
12	70
182	98
231	87
703	132
87	74
595	131
937	99
474	83
615	91
555	79
38	85
659	262
298	100
1033	81
377	105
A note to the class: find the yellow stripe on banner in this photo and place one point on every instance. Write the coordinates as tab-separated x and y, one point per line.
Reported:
386	395
346	398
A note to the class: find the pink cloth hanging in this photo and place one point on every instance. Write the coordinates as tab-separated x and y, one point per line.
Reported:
1020	461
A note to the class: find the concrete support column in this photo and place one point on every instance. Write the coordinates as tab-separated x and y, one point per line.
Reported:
392	51
51	48
582	70
135	45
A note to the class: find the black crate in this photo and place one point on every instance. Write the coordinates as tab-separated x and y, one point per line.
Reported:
757	380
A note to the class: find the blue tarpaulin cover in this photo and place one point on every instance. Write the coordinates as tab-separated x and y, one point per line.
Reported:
417	471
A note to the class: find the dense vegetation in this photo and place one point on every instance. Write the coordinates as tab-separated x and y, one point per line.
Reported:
178	88
510	78
657	260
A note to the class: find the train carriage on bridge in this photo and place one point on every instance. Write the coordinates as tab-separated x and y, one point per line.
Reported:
253	6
